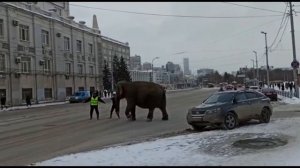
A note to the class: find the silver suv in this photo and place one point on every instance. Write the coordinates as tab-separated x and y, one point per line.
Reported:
229	108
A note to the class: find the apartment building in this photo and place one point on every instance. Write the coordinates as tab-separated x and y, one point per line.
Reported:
45	54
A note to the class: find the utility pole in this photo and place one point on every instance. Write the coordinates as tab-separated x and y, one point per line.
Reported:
253	68
267	61
257	76
295	68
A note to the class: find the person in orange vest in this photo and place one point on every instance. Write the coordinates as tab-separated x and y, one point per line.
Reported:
94	104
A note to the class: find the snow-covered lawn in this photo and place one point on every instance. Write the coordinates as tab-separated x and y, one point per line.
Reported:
293	100
206	148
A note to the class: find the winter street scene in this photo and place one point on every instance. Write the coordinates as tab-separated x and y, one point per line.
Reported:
149	84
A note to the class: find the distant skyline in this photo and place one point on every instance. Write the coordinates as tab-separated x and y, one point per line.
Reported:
208	33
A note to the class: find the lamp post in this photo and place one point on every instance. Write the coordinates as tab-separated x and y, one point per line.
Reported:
253	68
152	68
268	80
257	76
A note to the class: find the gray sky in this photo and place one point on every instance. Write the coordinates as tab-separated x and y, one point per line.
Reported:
224	44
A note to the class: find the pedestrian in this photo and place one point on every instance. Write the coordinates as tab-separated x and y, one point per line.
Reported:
113	106
3	101
282	87
94	104
28	102
105	93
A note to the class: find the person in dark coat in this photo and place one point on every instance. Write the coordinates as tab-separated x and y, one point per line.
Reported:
28	102
3	101
105	93
113	106
282	87
94	104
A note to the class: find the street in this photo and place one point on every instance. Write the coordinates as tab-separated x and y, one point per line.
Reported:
36	134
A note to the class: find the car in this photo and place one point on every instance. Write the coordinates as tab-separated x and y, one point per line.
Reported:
271	93
254	88
210	85
79	96
229	108
229	87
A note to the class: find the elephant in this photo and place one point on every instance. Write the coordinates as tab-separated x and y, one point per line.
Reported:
142	94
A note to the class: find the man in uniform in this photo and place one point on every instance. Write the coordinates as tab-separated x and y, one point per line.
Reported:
94	104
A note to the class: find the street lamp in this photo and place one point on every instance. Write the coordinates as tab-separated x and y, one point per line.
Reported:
257	77
152	68
268	80
253	68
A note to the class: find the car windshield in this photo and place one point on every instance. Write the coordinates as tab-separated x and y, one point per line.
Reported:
219	98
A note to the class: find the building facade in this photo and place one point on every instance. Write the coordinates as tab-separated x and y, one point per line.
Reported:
186	66
135	63
147	66
45	54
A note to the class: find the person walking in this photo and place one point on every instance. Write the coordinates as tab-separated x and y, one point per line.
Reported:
113	106
28	102
94	104
3	101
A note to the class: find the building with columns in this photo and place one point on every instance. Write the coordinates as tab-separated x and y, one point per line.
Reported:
45	54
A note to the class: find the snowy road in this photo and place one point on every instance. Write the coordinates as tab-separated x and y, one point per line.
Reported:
209	148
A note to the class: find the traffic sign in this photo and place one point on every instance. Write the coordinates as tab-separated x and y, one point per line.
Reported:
295	64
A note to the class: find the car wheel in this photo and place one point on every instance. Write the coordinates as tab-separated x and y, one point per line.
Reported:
230	121
198	127
265	115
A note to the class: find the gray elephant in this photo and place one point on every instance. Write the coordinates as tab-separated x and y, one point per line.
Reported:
143	94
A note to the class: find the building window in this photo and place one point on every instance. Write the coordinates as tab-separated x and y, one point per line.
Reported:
91	70
26	92
66	43
90	48
47	65
48	93
79	45
25	65
68	68
80	69
1	27
45	37
2	62
24	33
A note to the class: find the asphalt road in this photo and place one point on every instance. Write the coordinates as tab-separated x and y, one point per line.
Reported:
36	134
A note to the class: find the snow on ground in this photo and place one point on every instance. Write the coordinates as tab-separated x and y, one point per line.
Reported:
293	100
208	148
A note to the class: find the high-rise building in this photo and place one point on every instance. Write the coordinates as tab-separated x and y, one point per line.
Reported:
135	63
147	66
186	68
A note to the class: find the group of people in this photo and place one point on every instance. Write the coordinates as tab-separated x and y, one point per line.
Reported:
3	101
95	99
284	86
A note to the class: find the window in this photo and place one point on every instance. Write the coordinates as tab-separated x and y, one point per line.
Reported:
24	33
47	65
251	95
68	68
69	91
91	70
48	93
2	62
25	65
241	97
45	37
1	28
90	48
66	43
80	69
79	45
26	92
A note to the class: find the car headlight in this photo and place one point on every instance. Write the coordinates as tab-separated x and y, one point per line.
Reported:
76	97
210	111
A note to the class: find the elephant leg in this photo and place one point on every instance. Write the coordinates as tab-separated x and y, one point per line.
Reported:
133	113
164	114
150	115
128	115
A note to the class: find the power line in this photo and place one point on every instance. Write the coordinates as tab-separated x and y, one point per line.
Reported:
253	7
284	18
282	33
182	16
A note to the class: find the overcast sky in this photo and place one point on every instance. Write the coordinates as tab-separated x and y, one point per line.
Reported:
224	44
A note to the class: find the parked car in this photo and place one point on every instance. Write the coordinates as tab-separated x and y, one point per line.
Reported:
210	85
229	87
80	96
256	88
229	108
270	92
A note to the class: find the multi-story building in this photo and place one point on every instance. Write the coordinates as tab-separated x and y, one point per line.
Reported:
135	63
45	54
147	66
186	67
205	71
137	75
